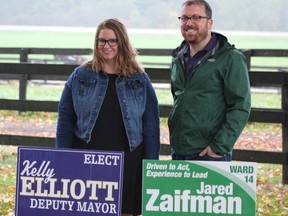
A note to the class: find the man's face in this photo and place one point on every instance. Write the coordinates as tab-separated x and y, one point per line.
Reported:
195	30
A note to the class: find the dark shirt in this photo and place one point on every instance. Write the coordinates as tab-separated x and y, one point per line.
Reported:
191	63
109	131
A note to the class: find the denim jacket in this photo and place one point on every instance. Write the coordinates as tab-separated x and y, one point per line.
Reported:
82	99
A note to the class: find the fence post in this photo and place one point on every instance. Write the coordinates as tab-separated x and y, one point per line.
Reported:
247	54
285	129
23	78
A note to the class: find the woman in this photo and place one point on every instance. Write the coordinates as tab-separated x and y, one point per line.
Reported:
108	103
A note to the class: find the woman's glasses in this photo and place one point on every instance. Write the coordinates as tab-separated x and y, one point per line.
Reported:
111	42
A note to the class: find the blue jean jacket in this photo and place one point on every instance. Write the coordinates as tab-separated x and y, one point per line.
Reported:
82	99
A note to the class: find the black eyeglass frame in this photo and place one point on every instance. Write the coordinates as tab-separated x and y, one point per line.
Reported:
192	18
102	42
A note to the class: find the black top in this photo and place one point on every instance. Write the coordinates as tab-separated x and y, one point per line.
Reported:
109	131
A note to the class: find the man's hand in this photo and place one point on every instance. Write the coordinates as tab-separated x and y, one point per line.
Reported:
209	152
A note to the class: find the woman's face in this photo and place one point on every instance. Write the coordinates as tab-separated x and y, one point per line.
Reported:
107	44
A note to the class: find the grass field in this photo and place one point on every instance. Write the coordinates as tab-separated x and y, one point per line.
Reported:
49	37
57	37
53	93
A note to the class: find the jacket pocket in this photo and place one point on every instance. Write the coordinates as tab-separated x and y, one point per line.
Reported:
85	86
136	87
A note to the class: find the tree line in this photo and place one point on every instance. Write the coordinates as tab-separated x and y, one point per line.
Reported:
244	15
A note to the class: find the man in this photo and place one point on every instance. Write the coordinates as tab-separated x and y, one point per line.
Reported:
210	87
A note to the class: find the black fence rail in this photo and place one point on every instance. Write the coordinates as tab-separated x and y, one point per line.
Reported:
24	71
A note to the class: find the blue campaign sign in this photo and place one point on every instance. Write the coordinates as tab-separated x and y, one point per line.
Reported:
68	182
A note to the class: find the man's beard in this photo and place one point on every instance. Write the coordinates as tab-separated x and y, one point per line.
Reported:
197	38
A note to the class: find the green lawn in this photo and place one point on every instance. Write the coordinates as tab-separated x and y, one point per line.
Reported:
144	38
167	39
53	93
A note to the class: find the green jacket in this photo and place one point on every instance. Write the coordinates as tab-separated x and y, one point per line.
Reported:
212	106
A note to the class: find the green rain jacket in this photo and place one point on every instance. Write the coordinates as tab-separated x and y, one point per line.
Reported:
211	106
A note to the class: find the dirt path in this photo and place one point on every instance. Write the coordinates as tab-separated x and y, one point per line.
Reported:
252	141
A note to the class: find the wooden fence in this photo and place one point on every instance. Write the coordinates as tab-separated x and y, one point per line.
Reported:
24	70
